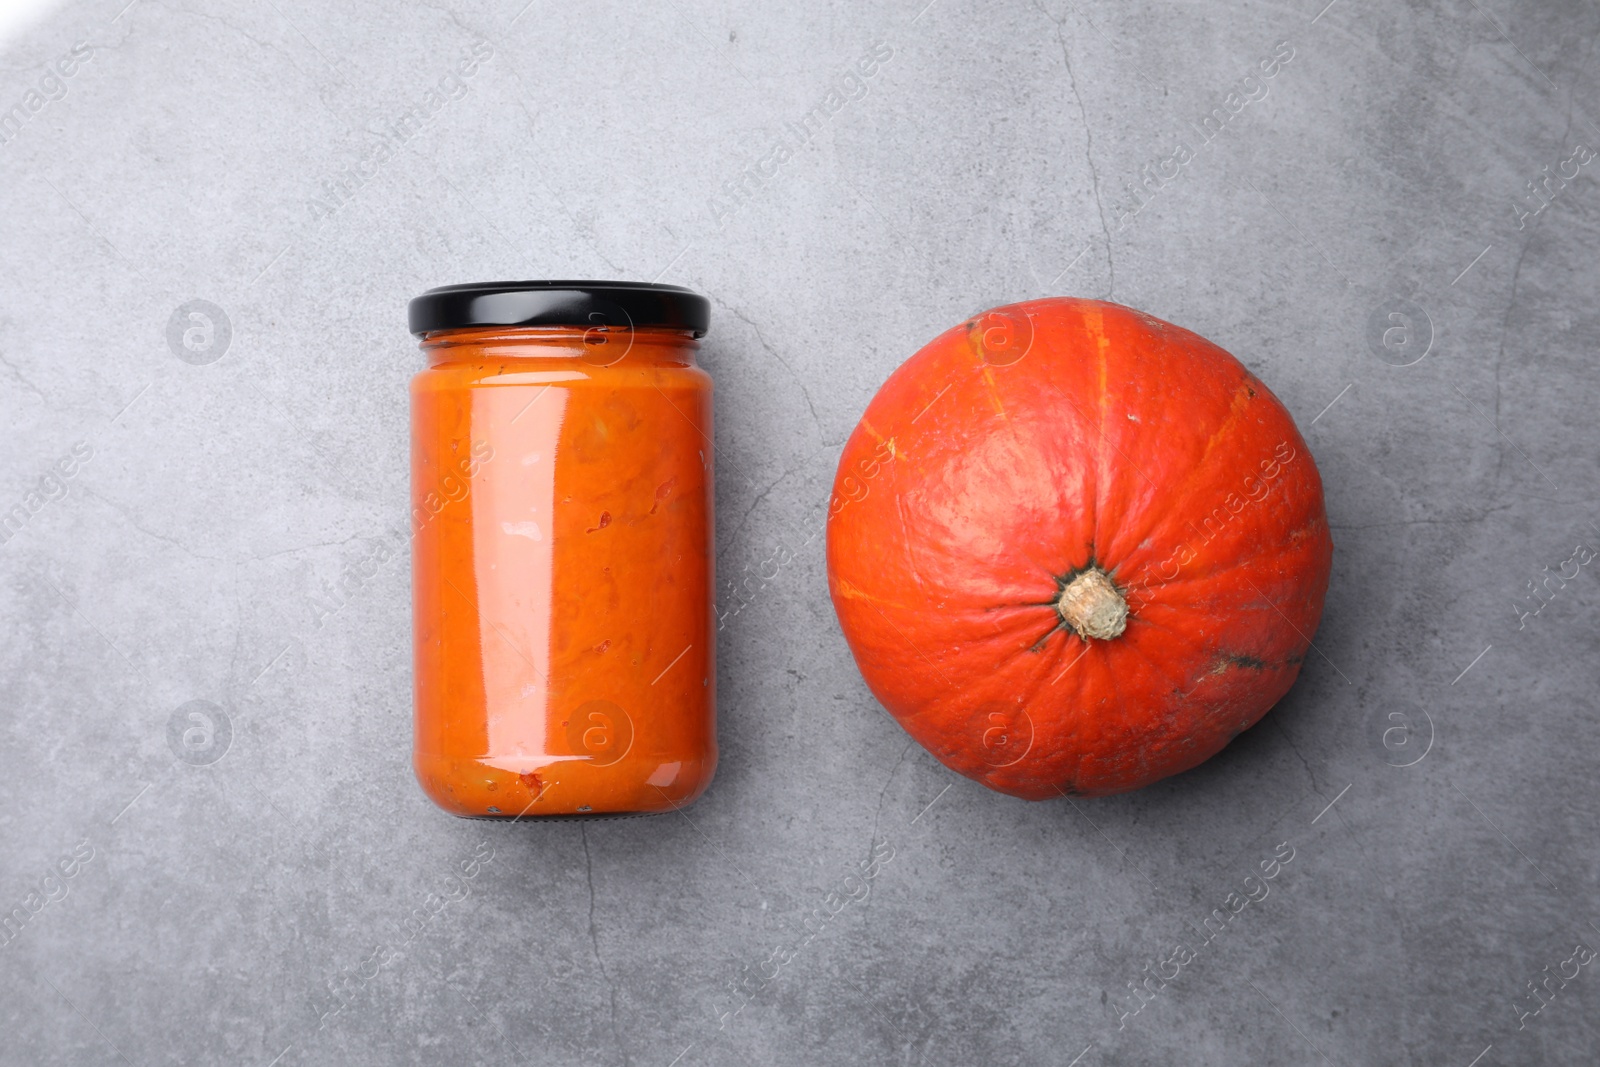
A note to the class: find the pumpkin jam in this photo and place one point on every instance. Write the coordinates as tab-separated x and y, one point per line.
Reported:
562	571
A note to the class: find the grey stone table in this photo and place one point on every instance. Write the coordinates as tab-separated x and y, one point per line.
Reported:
214	213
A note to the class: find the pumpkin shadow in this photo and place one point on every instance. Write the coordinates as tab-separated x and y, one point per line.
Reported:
1216	815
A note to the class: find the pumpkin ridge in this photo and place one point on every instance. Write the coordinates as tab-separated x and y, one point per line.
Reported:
1254	536
1219	567
1282	564
1095	319
914	647
905	540
1156	665
1121	721
1047	679
1178	498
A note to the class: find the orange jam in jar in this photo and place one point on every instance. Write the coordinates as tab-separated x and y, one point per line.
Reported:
562	586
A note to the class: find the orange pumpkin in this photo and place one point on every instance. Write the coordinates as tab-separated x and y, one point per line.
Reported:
1076	549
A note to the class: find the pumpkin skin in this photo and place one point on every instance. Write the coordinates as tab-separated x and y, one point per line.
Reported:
1060	452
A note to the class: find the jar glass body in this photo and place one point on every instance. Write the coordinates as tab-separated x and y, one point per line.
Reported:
562	571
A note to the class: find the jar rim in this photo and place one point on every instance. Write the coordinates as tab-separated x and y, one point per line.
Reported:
583	304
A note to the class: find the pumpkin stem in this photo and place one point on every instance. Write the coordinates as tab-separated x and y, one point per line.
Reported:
1092	606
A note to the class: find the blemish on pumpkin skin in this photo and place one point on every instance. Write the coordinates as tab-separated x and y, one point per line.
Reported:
849	591
873	431
533	782
994	394
605	520
1225	430
1248	662
1038	645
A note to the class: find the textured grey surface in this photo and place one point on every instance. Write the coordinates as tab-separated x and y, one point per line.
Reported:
297	900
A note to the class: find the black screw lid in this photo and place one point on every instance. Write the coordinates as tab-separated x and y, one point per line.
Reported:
556	303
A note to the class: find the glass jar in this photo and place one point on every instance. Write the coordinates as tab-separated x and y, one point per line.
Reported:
562	585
